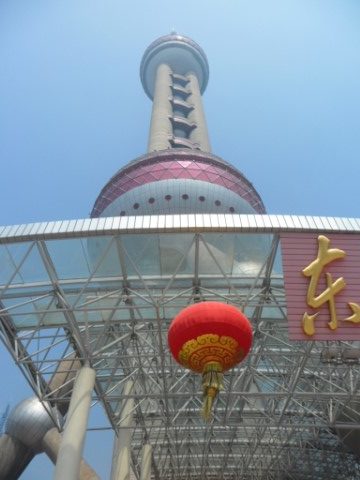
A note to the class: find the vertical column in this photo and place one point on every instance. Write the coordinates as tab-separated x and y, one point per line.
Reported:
146	462
69	457
14	457
51	445
121	468
160	127
62	379
199	134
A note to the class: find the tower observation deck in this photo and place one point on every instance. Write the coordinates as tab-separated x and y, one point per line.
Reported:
85	307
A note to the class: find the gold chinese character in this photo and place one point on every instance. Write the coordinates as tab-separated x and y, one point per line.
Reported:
355	317
314	270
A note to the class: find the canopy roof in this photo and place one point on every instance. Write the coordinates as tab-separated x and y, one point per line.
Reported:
106	290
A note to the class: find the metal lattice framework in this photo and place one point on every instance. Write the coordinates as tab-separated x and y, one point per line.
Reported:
106	291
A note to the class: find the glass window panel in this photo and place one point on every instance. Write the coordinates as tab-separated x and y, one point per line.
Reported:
176	253
250	253
103	257
32	320
141	254
32	268
10	258
278	262
68	258
98	316
218	254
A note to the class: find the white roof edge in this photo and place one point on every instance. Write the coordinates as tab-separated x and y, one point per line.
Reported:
176	224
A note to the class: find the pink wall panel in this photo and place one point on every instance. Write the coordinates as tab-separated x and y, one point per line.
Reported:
298	251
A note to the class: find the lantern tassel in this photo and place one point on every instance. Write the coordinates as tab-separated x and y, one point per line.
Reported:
212	382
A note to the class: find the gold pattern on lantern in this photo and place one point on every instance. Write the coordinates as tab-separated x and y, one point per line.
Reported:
210	347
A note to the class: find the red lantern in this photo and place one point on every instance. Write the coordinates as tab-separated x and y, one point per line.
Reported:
210	338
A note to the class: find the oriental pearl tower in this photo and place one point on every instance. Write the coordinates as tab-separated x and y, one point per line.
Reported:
178	174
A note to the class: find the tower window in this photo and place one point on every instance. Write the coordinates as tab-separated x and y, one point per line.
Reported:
217	203
180	133
122	213
180	79
231	209
151	200
168	197
201	198
136	206
185	196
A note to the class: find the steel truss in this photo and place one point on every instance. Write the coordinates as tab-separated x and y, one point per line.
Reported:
278	415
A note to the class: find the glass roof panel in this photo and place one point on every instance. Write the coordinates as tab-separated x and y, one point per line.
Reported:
141	254
69	257
103	256
10	258
30	267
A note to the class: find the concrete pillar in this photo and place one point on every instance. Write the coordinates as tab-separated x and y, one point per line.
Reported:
14	457
51	445
121	459
200	133
161	127
70	453
62	380
146	462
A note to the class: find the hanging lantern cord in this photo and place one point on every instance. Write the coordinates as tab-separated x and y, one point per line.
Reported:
212	382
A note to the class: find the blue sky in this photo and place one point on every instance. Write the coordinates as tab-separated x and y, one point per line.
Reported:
282	105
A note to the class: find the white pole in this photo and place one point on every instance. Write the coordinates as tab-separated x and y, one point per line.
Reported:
146	462
122	459
51	445
70	453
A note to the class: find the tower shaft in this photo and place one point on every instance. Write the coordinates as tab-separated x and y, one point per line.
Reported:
178	119
200	133
160	126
